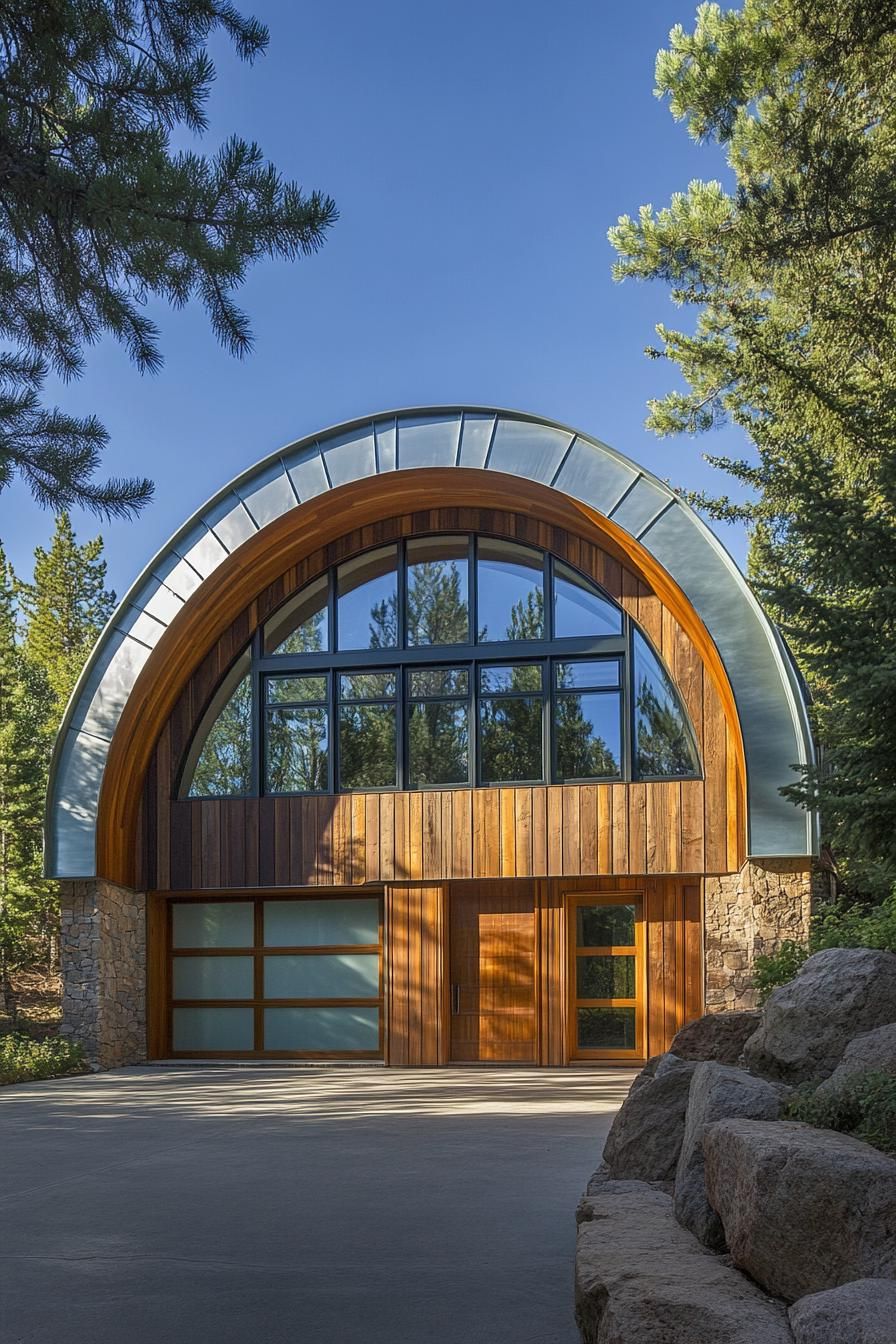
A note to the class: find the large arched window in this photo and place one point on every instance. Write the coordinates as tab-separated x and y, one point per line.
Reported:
438	662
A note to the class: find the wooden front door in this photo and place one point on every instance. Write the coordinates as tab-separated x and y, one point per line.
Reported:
492	949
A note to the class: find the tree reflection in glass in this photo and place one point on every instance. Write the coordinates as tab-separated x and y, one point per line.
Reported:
438	726
510	592
367	731
224	767
511	723
302	624
367	600
297	735
588	723
664	745
438	609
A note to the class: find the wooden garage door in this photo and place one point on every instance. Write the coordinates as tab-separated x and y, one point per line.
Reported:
493	972
275	977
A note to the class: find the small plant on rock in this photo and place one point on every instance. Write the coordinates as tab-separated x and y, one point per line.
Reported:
865	1107
839	925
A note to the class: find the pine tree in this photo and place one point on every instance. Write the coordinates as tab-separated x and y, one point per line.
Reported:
99	213
793	278
27	901
65	607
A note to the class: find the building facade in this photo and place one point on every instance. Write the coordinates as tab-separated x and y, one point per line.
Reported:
449	735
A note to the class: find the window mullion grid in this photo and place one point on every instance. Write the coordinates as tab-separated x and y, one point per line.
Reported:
331	662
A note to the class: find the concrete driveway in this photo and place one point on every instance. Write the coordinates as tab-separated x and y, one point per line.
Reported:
296	1206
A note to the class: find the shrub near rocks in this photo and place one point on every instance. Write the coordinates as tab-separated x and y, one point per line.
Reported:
863	1105
807	1024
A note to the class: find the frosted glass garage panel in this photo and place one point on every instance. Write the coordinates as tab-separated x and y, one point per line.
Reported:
344	975
213	924
213	1029
213	978
325	1029
321	923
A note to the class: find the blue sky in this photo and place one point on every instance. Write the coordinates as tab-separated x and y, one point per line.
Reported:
478	152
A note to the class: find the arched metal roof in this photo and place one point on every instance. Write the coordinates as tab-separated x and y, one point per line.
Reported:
767	691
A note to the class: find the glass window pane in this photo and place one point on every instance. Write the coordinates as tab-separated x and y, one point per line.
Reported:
511	740
438	606
367	747
213	924
302	624
296	751
514	677
336	923
587	735
197	1029
438	740
510	591
439	681
324	1029
343	975
605	926
606	1028
224	767
290	689
664	743
605	977
579	608
367	686
367	601
213	978
586	672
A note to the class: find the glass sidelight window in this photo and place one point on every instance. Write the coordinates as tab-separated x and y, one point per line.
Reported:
606	980
276	977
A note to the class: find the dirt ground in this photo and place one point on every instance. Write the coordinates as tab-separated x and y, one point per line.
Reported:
38	993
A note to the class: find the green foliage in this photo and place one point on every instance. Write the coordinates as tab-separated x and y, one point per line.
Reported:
846	925
841	924
47	628
64	608
865	1107
26	900
100	214
778	968
792	274
23	1060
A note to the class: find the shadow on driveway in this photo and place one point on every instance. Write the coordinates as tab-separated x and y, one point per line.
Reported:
269	1205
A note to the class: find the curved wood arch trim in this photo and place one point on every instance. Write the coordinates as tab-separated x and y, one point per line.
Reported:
287	541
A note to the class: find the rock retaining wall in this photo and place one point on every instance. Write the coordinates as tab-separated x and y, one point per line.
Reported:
751	913
103	949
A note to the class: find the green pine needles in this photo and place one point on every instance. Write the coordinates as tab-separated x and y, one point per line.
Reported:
99	214
792	276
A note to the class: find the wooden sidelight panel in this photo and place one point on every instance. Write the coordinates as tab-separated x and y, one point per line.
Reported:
492	960
415	978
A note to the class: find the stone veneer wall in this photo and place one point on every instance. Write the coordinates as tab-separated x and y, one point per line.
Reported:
103	949
751	913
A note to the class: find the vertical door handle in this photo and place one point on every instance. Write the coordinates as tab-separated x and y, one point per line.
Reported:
455	1000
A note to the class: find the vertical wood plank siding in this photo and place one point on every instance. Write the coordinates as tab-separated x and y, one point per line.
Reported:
687	827
418	970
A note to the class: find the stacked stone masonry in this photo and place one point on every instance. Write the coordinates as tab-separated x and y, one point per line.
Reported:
750	914
104	971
